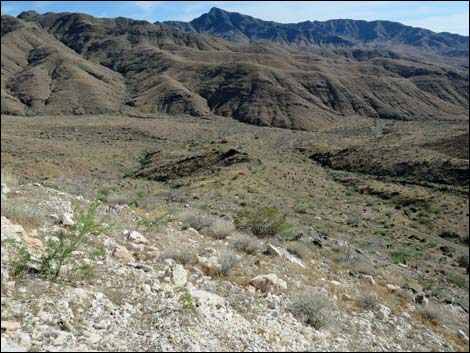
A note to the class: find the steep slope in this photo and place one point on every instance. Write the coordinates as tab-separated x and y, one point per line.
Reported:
41	75
136	66
341	33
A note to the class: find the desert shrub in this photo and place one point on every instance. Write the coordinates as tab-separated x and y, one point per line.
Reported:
227	261
119	199
22	213
221	228
368	301
195	219
430	313
59	249
313	308
180	253
458	279
85	186
299	249
262	221
463	261
246	243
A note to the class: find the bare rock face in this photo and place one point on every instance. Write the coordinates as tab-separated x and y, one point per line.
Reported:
268	283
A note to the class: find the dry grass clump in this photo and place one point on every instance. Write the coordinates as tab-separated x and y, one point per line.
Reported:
313	308
299	249
180	253
221	228
430	313
8	177
119	199
196	219
246	243
368	301
227	261
22	213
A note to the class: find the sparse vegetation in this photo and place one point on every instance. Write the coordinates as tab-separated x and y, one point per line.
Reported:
458	279
430	313
246	243
180	253
196	219
227	261
262	221
313	308
21	213
59	249
368	301
221	228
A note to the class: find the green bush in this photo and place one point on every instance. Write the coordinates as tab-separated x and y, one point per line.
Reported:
58	251
261	221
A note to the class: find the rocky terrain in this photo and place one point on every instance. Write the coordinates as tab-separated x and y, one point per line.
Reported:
233	184
124	291
71	63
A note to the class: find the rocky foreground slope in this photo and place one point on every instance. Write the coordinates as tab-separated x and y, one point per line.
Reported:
146	285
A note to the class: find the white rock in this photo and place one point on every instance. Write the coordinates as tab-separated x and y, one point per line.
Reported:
462	335
336	283
179	276
5	189
135	236
67	219
10	325
392	288
268	283
383	312
146	288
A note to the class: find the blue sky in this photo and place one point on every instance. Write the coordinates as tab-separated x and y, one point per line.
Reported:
439	16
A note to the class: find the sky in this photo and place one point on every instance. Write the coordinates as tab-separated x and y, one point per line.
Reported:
438	16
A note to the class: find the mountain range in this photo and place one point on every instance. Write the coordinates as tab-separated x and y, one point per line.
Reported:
311	75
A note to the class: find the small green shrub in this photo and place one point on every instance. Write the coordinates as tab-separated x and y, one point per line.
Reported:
313	308
463	261
58	251
186	300
458	279
261	221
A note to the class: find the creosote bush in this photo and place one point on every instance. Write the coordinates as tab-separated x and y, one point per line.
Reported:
313	308
262	221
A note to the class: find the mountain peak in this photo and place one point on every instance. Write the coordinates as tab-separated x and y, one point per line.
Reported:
28	15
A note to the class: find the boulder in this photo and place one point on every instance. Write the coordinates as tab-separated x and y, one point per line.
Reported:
122	253
268	283
383	312
135	237
67	219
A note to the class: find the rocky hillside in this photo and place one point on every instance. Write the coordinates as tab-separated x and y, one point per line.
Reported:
340	33
69	63
149	282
